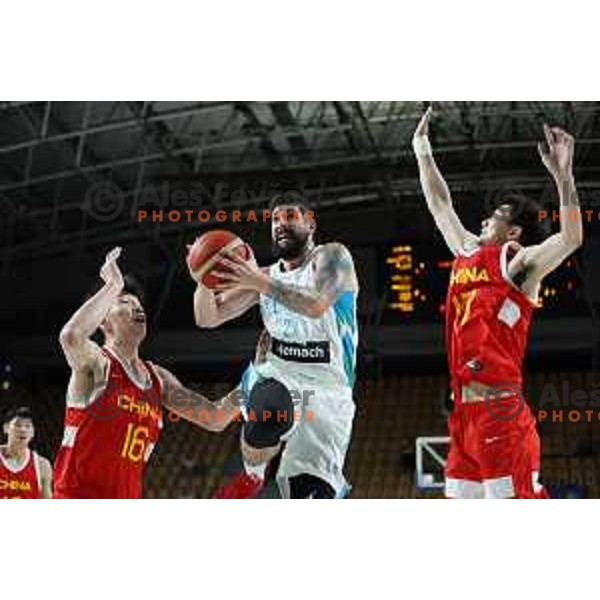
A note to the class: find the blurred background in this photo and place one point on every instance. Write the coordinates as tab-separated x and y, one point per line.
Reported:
73	176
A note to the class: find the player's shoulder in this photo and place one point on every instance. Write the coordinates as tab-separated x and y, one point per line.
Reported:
333	251
334	247
469	247
159	371
336	259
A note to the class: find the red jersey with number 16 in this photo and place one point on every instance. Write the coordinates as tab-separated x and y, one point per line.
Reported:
487	319
107	442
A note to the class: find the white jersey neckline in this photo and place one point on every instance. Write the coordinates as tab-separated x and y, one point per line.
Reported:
280	264
18	469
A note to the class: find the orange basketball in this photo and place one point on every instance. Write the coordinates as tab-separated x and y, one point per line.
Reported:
202	256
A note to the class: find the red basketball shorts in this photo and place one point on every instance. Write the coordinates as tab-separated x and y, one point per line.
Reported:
494	452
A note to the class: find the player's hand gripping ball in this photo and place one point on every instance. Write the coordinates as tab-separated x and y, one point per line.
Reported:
205	253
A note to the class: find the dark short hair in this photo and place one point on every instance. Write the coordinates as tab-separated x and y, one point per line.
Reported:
132	286
20	412
525	212
290	198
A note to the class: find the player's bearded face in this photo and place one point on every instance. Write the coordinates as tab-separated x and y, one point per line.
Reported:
20	431
291	231
126	319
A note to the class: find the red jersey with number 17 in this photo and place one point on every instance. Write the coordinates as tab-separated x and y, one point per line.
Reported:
107	442
487	319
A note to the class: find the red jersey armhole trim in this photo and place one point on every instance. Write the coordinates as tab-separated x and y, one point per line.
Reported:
154	375
504	270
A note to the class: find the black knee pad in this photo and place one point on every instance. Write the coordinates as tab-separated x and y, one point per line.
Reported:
270	414
308	486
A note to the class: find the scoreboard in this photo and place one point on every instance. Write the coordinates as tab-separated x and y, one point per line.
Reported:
403	277
416	278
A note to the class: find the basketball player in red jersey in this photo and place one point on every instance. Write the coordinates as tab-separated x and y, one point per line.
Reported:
496	276
23	473
115	399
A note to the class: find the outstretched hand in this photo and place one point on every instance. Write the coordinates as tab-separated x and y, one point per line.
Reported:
110	272
422	129
557	152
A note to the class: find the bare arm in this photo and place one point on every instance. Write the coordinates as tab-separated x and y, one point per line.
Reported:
212	309
437	193
334	274
46	478
540	260
196	408
82	354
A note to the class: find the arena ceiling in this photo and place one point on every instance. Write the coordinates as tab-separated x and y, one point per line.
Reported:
353	158
347	154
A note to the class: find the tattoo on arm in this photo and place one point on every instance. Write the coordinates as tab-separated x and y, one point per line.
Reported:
294	297
335	274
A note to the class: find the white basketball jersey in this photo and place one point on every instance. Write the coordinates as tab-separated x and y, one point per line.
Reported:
321	350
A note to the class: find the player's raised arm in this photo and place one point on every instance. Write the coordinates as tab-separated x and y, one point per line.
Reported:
436	190
194	407
80	351
334	275
557	156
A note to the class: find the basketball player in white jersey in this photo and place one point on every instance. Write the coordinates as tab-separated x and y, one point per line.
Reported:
24	474
308	305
